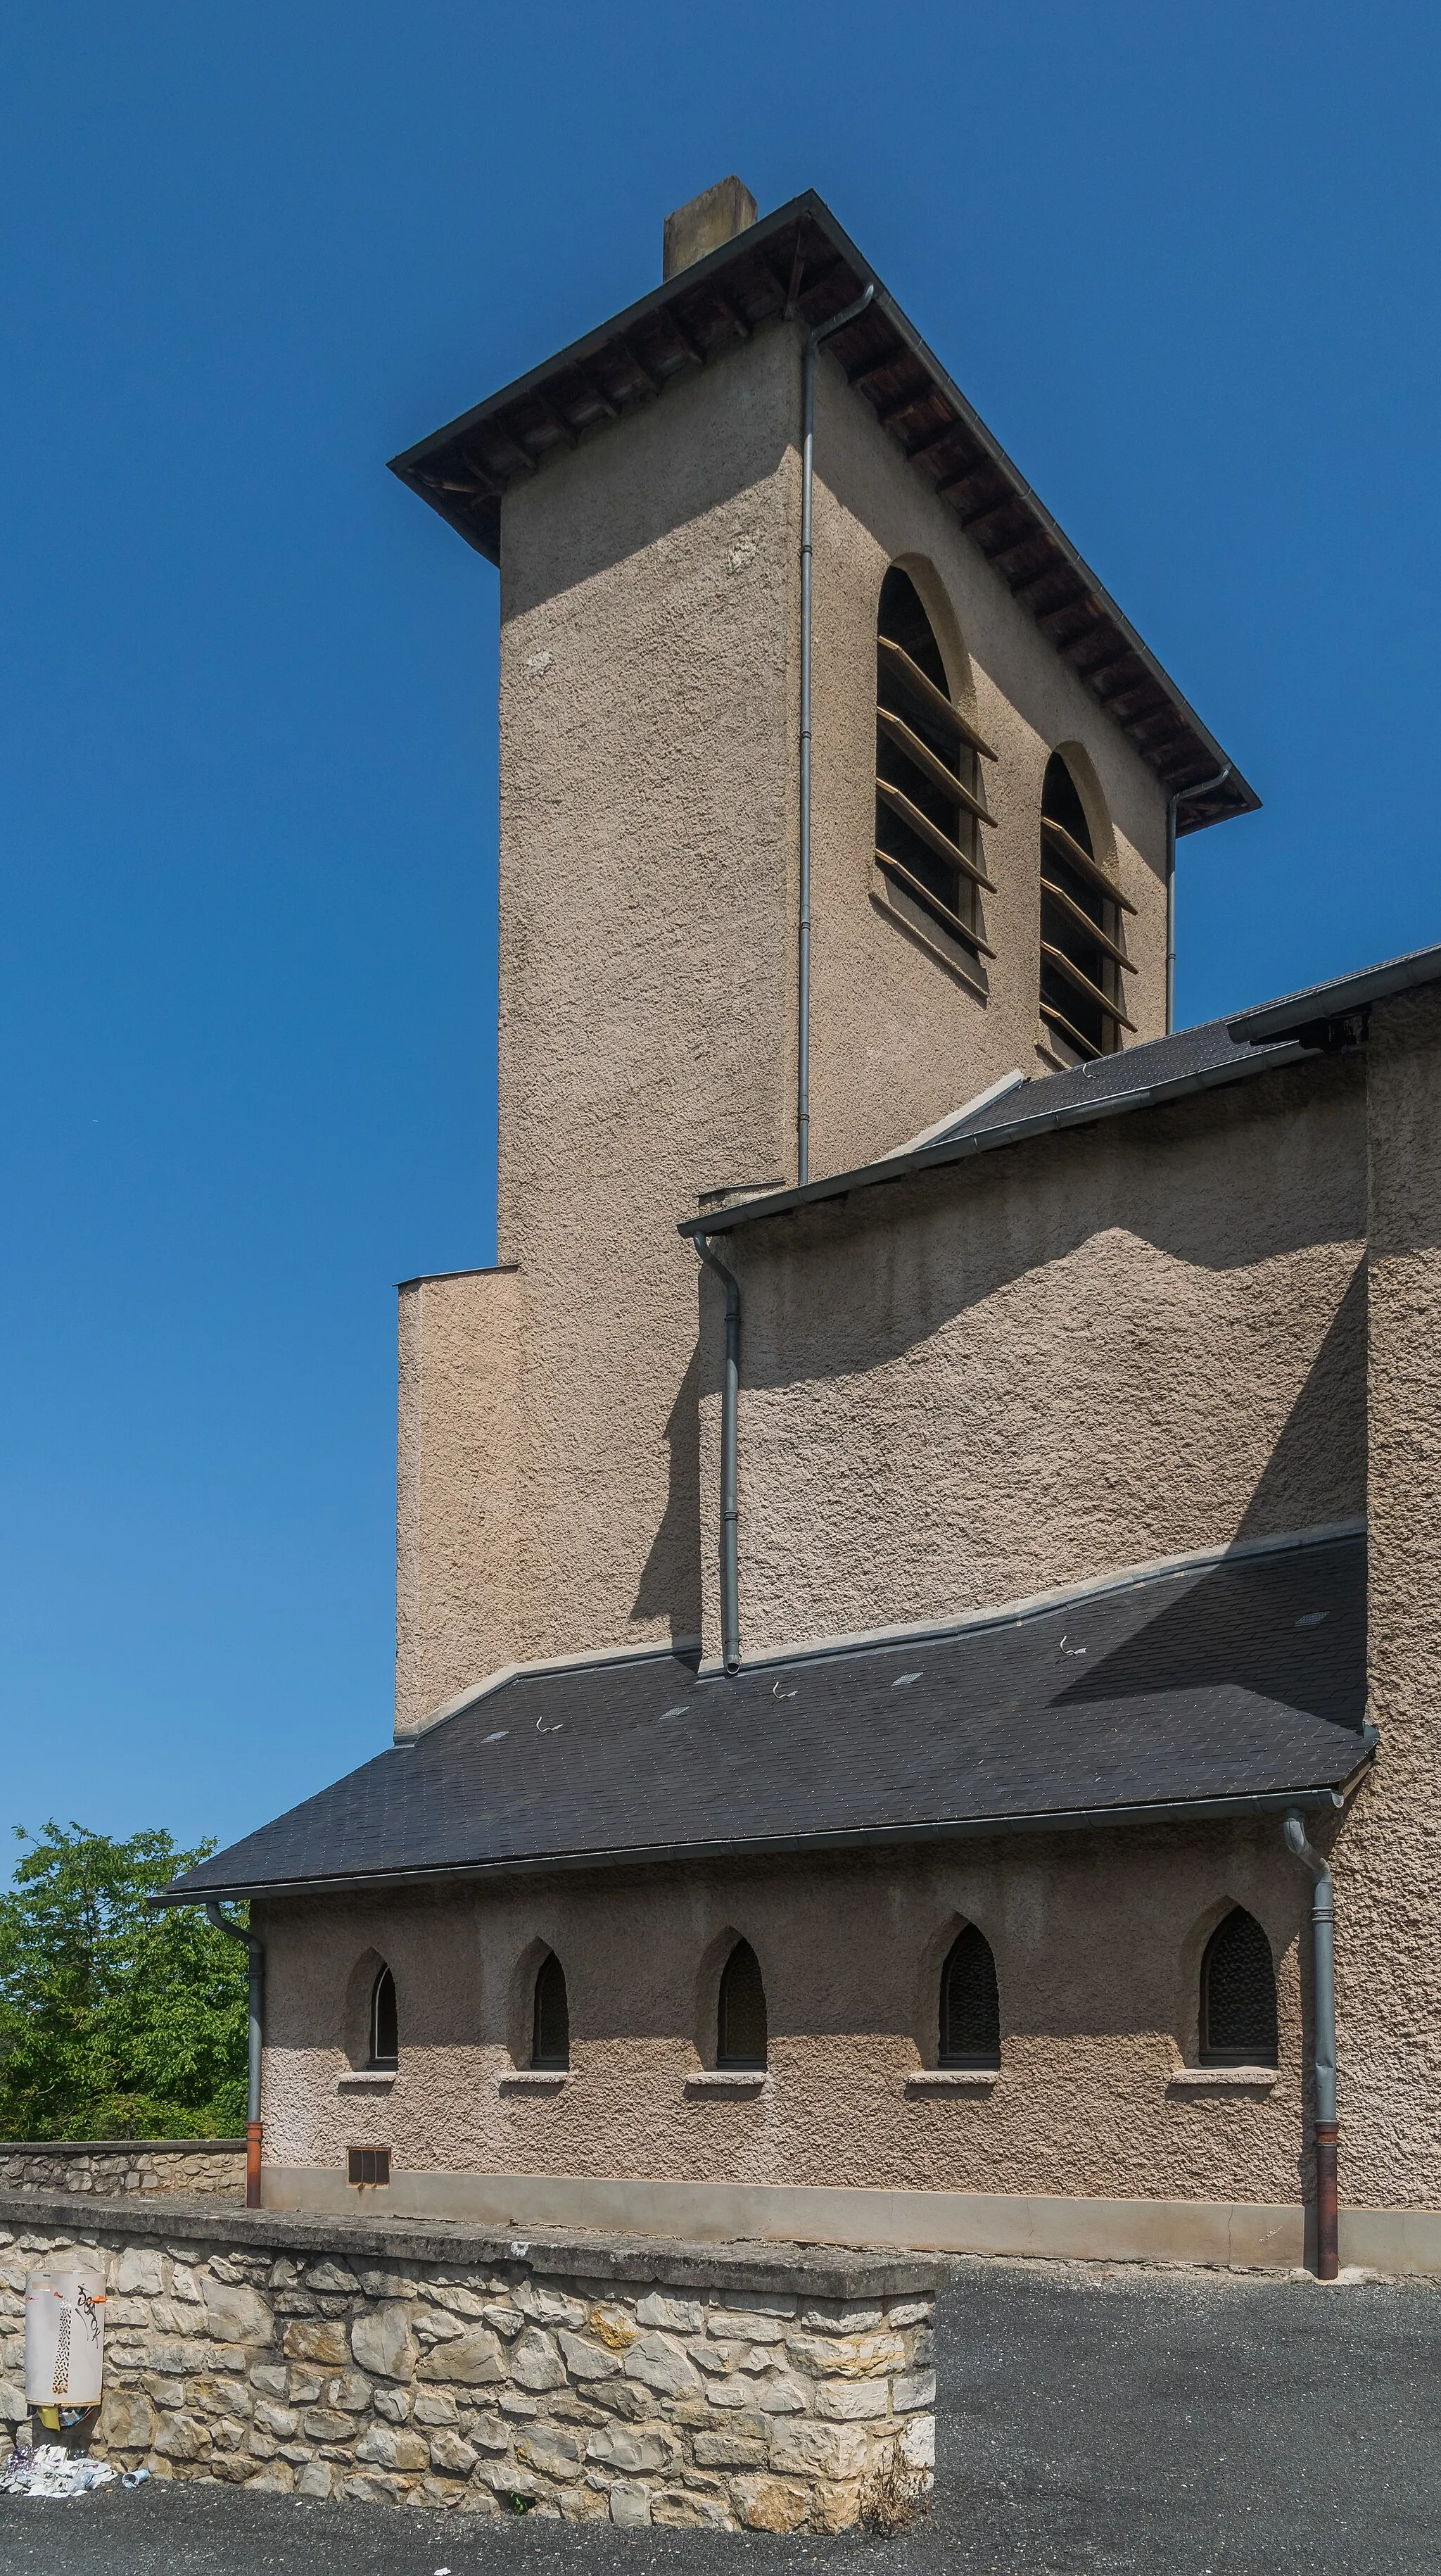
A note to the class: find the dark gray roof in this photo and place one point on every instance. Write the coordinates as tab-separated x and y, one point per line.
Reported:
1232	1686
798	264
1317	1012
1140	1077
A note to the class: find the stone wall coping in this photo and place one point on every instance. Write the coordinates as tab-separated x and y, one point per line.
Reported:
845	2272
121	2147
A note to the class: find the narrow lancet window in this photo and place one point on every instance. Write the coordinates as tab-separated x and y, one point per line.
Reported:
970	2003
1082	955
1238	1995
550	2035
384	2025
928	795
741	2036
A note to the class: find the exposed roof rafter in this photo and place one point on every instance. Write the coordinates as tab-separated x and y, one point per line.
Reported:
799	264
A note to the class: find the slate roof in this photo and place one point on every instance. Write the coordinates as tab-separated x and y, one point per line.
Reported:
1139	1077
798	263
1232	1685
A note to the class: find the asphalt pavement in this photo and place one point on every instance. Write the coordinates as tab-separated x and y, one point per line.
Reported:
1200	2424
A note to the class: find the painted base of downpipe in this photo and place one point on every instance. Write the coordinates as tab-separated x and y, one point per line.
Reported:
1254	2235
1328	2226
254	2135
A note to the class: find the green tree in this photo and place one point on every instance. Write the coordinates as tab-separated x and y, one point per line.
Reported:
115	2022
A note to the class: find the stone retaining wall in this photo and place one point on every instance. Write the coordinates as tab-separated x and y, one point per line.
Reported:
627	2380
193	2167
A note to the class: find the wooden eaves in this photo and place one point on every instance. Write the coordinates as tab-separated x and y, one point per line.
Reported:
798	264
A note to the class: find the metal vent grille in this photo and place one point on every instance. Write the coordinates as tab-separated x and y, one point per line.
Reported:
1238	1995
970	2004
369	2165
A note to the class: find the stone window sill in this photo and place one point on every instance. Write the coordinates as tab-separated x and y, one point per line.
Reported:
729	2079
953	2079
377	2079
1223	2079
533	2079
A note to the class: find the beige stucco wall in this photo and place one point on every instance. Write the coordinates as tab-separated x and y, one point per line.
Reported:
1388	1863
648	909
1097	1942
1129	1341
646	960
456	1488
898	1037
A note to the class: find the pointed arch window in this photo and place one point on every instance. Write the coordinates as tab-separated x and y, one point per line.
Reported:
741	2031
929	803
970	2003
1238	1995
550	2029
384	2022
1082	955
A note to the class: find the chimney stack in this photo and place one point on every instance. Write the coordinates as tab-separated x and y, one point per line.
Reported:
710	219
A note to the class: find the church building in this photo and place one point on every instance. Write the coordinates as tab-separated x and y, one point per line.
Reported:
919	1568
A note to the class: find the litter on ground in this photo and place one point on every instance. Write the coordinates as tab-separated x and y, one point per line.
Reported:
51	2470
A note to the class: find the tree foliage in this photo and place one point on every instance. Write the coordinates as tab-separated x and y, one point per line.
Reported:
115	2022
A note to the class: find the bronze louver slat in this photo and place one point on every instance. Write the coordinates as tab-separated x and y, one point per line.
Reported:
923	894
1092	929
1067	966
929	832
1075	857
925	759
929	696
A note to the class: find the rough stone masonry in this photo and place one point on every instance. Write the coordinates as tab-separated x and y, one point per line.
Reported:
633	2381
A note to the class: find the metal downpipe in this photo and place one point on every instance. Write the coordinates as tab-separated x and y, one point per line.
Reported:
808	412
730	1411
253	2130
1182	796
1323	1951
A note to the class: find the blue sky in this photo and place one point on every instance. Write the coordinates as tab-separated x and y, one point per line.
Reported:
1182	261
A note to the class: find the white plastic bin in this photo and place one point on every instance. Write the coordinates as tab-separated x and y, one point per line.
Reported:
64	2337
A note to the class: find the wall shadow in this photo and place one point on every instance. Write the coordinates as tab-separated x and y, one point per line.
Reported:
670	1582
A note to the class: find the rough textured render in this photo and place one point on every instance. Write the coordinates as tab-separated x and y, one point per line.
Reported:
899	1036
456	1489
646	961
591	2384
1386	1859
1127	1342
648	925
1097	1942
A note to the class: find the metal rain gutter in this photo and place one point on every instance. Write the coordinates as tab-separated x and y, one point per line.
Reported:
1269	1802
1336	1000
1016	1131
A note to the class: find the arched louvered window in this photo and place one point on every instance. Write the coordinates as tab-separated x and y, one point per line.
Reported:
928	795
550	2031
1238	1995
970	2003
1082	955
741	2035
384	2026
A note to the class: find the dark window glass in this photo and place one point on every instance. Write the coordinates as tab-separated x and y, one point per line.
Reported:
741	2030
1080	925
370	2165
970	2004
925	773
1238	1995
384	2029
550	2038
